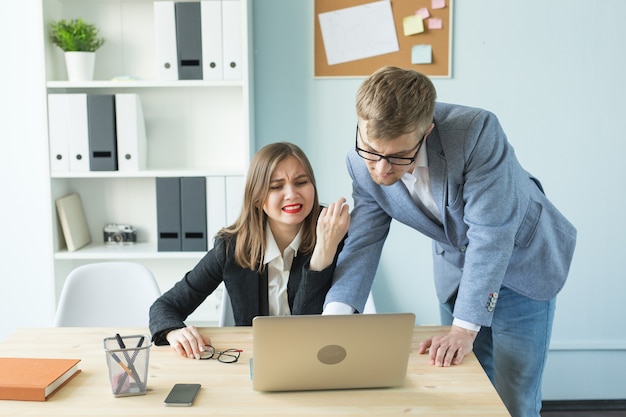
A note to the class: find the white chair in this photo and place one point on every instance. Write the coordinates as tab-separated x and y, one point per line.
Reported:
226	311
107	294
227	318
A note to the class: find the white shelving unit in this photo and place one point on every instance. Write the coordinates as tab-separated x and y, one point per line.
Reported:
194	128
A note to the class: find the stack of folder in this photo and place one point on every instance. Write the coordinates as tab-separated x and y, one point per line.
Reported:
199	40
182	213
96	132
191	210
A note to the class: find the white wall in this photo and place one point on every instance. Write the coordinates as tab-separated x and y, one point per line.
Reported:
26	283
553	73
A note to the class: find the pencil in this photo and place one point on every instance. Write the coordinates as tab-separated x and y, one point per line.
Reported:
124	367
131	362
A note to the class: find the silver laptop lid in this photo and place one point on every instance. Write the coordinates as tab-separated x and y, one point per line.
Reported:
295	353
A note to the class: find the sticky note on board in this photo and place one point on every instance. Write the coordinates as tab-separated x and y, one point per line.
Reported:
422	54
434	23
412	25
438	4
423	13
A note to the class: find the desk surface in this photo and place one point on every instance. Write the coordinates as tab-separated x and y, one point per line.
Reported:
227	388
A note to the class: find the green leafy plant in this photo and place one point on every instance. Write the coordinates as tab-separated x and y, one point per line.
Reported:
75	35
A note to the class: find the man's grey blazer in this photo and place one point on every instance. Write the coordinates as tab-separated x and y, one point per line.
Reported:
499	229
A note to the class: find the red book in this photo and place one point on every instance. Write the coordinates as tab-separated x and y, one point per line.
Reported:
34	379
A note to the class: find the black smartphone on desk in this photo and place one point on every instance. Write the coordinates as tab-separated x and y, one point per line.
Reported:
182	395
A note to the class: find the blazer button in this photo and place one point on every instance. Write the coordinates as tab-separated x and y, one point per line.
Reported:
462	248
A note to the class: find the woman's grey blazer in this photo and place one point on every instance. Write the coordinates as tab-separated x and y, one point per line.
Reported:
498	227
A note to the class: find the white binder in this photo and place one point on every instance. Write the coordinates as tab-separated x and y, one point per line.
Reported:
211	18
131	133
232	32
235	185
165	35
58	133
78	132
216	206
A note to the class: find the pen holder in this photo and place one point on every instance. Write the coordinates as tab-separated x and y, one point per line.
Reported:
128	365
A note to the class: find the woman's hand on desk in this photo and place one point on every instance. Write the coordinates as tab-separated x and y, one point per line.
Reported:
449	349
187	342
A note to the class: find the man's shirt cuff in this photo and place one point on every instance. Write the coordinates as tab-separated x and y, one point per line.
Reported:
466	325
335	307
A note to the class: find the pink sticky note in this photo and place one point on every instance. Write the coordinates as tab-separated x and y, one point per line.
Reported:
438	4
423	13
434	23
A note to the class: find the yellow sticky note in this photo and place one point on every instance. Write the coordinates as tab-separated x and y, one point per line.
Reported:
412	25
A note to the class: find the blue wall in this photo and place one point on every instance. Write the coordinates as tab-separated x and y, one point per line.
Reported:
553	72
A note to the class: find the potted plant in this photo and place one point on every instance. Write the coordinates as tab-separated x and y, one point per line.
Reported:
79	41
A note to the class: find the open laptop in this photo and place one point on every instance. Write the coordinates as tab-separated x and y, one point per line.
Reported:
314	352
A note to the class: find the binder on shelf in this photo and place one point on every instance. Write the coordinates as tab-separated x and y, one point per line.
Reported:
216	206
58	131
78	132
193	213
73	221
102	135
189	40
165	35
168	214
131	133
235	185
211	24
232	32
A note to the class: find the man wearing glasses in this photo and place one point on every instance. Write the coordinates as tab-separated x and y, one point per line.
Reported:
501	250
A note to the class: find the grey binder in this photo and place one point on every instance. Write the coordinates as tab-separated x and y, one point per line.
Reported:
102	136
189	40
193	213
168	214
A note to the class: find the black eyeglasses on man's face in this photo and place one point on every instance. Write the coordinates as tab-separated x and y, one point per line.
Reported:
393	160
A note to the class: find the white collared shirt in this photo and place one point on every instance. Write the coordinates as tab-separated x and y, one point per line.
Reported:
278	268
418	185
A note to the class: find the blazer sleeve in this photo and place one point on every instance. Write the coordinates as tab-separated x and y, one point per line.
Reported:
369	227
172	308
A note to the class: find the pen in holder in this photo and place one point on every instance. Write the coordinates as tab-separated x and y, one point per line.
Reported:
127	359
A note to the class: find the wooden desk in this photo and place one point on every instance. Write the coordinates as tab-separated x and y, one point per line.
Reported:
227	388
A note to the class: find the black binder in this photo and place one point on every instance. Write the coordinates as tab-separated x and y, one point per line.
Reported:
102	136
189	40
193	213
168	214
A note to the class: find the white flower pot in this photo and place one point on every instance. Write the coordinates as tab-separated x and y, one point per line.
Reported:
80	65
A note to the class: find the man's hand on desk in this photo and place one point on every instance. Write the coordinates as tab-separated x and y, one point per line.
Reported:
187	342
449	349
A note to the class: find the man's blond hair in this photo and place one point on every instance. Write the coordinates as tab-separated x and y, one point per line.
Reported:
395	101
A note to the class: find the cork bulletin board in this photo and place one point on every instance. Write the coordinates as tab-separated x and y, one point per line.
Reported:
353	38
